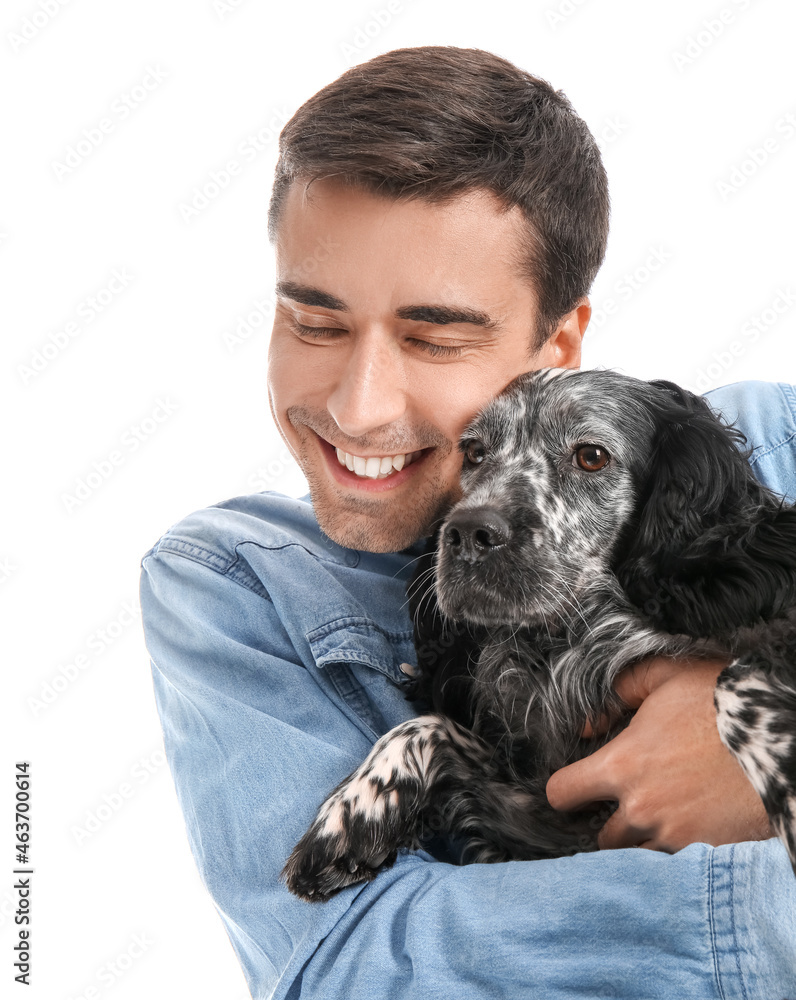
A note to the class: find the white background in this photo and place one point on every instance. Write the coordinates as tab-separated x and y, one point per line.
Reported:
153	379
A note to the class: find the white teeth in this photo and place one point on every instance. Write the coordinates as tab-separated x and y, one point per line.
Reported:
375	467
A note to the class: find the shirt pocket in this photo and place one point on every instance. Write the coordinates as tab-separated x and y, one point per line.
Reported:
361	661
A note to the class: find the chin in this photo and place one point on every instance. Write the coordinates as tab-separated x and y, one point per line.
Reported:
477	604
382	524
476	608
366	533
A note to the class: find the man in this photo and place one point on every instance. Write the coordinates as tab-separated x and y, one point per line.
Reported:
438	217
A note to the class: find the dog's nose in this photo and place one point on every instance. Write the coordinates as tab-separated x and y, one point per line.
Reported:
473	534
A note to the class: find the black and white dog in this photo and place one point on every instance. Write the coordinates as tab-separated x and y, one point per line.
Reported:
603	520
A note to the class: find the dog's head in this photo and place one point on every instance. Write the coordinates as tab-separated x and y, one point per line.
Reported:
570	475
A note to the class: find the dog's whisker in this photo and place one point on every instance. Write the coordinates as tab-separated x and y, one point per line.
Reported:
406	565
572	600
418	582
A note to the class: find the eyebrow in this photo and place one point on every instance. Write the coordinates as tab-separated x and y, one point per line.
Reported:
439	315
443	315
309	296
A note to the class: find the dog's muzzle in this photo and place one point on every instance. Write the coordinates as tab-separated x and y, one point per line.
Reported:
474	535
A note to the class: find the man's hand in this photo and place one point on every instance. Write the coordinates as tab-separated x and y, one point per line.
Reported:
675	781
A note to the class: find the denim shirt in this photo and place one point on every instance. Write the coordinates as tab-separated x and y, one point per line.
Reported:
276	660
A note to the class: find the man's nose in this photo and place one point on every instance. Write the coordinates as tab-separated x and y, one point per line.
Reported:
370	391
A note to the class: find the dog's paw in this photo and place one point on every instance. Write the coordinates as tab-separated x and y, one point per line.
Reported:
356	834
319	867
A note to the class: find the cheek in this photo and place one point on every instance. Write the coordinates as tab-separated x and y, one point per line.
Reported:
290	383
295	375
280	356
596	517
451	395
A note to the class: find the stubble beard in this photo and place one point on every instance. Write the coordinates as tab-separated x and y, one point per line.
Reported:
377	524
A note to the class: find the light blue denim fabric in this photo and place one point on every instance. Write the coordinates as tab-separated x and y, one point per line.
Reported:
276	655
766	413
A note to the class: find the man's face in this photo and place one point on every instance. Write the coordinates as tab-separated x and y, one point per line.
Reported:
396	321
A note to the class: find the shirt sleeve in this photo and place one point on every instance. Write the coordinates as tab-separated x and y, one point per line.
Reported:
766	414
255	744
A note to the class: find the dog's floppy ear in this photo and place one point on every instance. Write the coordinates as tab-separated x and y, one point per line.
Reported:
709	549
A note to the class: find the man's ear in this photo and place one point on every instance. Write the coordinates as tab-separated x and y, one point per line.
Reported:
562	348
710	549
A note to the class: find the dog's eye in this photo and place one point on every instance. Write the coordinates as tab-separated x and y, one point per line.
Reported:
591	457
475	452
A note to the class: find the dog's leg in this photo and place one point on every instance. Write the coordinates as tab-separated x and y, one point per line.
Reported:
756	715
427	775
377	809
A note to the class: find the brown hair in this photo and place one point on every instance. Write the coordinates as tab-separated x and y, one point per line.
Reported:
435	121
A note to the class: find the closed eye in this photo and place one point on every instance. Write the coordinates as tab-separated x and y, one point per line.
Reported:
332	333
316	332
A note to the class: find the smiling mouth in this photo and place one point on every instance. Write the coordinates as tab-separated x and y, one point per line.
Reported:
371	472
376	466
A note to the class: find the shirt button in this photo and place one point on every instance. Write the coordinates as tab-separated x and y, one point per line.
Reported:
351	558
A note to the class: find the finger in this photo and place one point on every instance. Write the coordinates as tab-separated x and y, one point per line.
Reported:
604	722
634	684
582	783
618	832
600	727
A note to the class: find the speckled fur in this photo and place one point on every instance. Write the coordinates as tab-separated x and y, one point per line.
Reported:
539	586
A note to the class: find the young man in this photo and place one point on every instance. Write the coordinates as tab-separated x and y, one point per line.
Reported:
438	217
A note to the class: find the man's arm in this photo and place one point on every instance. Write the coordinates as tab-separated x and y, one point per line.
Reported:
675	781
256	737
